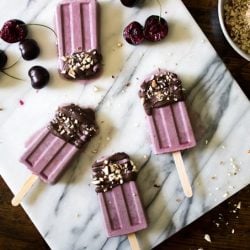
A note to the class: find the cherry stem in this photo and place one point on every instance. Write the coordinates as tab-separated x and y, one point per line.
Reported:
36	24
12	76
12	65
158	1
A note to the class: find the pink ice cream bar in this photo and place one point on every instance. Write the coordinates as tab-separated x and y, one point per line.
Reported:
48	156
170	129
119	199
77	39
49	153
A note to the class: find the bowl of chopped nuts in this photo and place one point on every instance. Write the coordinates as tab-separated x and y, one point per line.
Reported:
234	17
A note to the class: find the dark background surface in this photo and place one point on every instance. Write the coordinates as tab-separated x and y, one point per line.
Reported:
228	227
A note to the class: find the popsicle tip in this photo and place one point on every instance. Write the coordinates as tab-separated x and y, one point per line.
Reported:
188	193
15	202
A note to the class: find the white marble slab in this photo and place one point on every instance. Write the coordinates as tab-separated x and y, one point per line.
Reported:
67	214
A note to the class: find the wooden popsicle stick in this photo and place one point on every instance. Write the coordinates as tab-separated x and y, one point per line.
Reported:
182	174
133	242
24	190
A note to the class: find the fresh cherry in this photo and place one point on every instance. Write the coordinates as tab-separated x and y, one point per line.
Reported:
29	49
3	59
155	28
129	3
13	31
133	33
39	77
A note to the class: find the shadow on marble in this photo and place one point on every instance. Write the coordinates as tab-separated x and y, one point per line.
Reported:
35	192
178	32
15	71
113	59
46	40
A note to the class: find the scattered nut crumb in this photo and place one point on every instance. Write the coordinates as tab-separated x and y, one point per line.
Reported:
157	186
207	238
119	44
108	138
96	89
232	231
226	194
239	205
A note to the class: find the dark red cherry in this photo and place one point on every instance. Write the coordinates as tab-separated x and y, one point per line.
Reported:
155	28
39	77
13	31
3	59
129	3
29	49
133	33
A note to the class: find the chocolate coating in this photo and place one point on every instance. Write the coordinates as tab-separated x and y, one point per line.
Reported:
161	90
113	171
81	65
74	124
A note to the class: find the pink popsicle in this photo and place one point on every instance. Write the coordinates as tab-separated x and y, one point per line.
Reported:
168	121
50	152
48	156
119	199
77	39
170	129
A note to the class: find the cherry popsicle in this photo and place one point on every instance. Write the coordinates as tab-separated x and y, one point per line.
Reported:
77	39
49	153
114	177
168	121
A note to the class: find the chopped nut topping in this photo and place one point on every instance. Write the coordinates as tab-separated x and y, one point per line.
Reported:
160	90
81	64
207	238
112	172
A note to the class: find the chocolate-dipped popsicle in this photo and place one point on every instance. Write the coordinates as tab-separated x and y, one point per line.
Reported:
123	213
49	153
168	121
